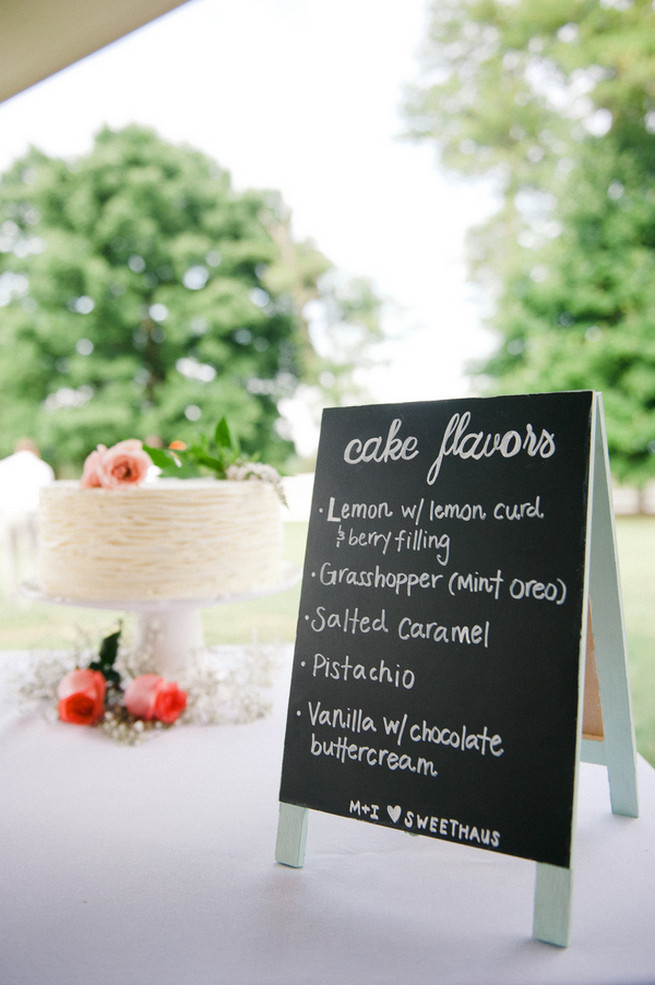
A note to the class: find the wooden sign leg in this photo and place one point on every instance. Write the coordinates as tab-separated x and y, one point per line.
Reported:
619	748
552	904
616	748
291	835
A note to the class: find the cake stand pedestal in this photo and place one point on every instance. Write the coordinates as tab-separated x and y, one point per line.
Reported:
170	631
171	634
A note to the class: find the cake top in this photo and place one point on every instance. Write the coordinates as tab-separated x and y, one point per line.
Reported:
154	483
130	464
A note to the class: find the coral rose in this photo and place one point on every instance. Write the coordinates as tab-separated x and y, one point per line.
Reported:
90	478
151	697
125	464
81	695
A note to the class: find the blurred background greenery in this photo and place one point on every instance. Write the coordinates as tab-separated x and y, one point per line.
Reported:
143	294
553	106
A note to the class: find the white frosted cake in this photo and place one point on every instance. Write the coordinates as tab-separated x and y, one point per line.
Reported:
164	539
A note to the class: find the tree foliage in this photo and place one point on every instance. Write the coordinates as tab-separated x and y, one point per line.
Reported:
554	104
141	295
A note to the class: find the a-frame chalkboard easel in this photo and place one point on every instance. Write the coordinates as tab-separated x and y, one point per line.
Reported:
605	732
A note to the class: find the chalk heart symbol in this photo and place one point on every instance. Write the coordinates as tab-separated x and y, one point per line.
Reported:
394	812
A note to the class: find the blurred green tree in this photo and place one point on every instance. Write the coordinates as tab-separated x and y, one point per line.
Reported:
141	295
553	104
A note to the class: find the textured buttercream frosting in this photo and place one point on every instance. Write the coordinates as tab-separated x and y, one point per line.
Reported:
167	539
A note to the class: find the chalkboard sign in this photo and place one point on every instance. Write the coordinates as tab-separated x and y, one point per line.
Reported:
437	661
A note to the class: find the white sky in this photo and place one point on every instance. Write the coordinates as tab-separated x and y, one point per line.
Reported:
302	96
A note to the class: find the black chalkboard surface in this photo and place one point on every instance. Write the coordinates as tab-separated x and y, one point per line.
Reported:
436	670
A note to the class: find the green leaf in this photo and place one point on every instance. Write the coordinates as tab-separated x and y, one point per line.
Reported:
110	675
214	463
109	648
163	459
222	435
107	656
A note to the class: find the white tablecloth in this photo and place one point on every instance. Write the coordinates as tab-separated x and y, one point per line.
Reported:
154	865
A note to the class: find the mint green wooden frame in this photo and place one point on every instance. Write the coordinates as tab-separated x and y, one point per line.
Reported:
617	749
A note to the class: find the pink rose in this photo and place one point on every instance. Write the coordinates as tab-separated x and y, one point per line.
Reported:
151	697
81	695
90	478
126	464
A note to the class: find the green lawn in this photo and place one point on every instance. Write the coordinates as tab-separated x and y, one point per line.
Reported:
636	537
30	625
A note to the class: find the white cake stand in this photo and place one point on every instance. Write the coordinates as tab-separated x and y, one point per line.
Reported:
169	629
